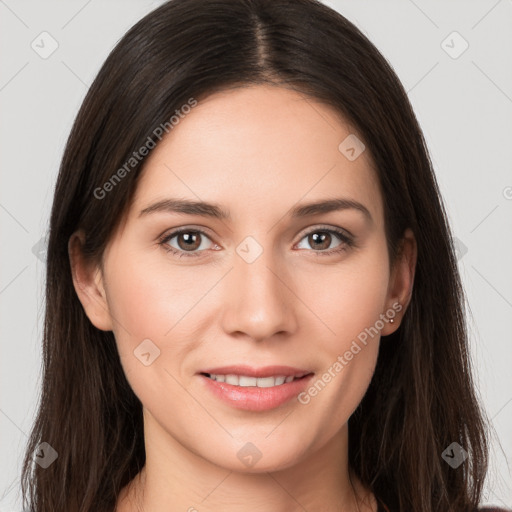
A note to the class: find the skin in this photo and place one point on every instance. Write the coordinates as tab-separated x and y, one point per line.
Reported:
256	151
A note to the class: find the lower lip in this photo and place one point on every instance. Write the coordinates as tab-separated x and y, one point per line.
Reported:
252	398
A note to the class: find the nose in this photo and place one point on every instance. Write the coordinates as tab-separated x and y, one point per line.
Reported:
259	300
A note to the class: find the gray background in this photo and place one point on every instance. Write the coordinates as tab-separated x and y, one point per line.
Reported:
463	103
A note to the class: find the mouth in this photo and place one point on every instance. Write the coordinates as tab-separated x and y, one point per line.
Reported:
255	389
248	381
263	377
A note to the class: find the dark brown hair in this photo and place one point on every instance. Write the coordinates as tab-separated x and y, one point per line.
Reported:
422	397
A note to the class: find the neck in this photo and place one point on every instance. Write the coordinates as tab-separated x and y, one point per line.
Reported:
177	479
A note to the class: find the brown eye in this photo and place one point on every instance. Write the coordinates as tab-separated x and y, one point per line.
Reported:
320	241
188	242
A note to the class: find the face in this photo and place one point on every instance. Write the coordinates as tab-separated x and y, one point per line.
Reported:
268	284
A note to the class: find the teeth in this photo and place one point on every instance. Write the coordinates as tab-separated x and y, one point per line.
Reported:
231	379
246	381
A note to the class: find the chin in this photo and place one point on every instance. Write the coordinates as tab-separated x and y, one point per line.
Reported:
259	455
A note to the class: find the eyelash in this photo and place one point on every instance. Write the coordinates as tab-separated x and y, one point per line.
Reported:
347	242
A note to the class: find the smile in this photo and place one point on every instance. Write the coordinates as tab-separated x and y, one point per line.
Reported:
255	389
247	381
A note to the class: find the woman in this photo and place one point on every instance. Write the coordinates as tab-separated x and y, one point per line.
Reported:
201	351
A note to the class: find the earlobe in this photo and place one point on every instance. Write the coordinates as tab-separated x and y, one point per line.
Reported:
89	284
402	280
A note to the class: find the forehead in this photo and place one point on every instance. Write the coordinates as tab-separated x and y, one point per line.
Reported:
259	149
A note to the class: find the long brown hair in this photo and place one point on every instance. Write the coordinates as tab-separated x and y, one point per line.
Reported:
422	397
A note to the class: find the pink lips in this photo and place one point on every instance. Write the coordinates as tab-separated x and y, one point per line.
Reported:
253	398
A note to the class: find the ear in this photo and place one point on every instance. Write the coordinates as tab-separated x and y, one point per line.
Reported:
89	283
401	281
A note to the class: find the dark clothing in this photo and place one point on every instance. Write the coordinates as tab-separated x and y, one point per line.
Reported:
381	507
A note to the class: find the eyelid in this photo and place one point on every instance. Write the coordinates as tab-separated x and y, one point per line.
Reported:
206	231
327	227
346	238
172	232
169	234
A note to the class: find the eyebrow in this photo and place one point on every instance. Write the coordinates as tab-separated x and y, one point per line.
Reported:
204	209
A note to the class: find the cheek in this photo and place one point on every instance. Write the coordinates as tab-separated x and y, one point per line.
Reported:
349	297
147	303
139	304
148	297
349	301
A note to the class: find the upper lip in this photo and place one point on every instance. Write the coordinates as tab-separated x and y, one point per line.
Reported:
265	371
